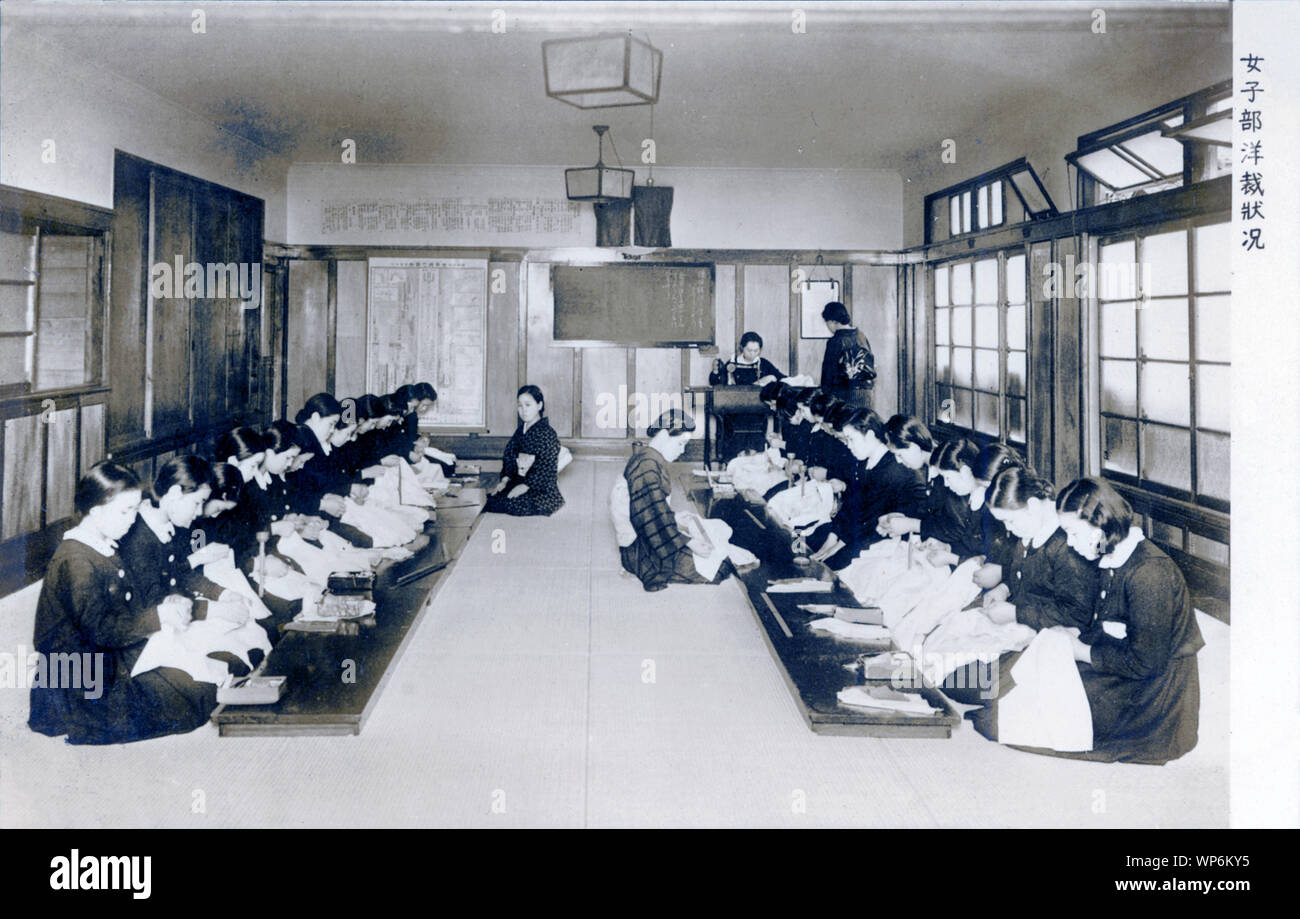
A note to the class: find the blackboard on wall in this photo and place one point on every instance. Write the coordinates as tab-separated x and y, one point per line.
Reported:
633	306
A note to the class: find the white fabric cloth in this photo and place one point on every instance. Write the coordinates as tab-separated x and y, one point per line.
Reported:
808	504
966	636
885	700
384	527
620	513
225	574
718	533
757	471
186	646
855	630
801	379
1048	706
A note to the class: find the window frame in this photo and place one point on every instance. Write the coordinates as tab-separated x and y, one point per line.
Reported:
28	213
1002	256
1139	482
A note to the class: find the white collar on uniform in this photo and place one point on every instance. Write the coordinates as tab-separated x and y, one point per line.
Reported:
87	537
1119	556
977	496
161	526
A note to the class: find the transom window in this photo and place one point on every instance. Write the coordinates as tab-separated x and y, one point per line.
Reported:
1164	360
980	333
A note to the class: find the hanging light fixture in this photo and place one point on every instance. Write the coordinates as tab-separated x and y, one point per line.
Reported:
600	183
602	70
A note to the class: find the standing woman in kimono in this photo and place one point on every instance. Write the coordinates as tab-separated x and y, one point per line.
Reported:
89	607
1137	658
529	466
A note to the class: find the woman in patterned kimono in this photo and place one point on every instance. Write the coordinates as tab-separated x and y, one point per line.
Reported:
89	607
529	466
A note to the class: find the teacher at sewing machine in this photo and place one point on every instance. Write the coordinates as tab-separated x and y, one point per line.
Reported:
747	368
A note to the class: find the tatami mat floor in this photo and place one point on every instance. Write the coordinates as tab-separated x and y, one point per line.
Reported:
545	688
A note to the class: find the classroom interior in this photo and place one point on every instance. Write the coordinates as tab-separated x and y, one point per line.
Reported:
932	162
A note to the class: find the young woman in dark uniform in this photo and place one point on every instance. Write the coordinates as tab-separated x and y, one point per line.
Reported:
89	606
528	468
999	545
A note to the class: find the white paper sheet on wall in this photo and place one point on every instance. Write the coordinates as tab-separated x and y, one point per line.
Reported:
814	295
427	321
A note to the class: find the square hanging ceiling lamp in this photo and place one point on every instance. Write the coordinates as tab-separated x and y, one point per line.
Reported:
602	70
599	183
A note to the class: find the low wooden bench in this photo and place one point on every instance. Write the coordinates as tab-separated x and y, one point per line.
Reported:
317	699
812	662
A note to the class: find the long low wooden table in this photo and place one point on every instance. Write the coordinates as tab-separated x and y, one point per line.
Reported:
812	662
317	700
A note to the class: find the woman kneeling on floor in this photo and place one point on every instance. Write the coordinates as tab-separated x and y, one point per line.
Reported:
652	544
530	464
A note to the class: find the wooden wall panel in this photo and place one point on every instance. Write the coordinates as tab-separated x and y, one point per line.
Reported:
809	351
126	317
875	312
502	347
350	342
766	311
60	465
92	437
724	313
549	367
308	326
174	236
658	385
605	392
24	447
211	316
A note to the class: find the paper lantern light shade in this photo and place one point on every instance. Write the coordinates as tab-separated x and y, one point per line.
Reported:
602	71
598	183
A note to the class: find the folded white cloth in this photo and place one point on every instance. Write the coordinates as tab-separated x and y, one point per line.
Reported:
186	647
886	700
1048	706
225	574
803	505
799	379
756	471
856	630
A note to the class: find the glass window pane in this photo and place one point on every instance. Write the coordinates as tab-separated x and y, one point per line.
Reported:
941	392
995	193
1213	328
986	369
1107	166
941	286
1212	468
1118	276
984	206
1166	456
1164	263
961	320
1208	549
942	365
1166	394
1213	264
986	280
954	215
939	219
17	256
961	283
986	414
1119	446
961	359
986	326
965	212
1016	420
942	320
1163	328
1118	330
13	307
13	360
961	407
1016	374
1164	153
1016	279
1213	396
1119	387
1016	327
